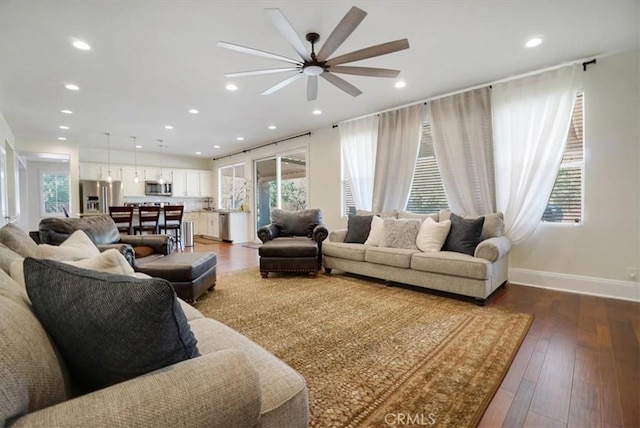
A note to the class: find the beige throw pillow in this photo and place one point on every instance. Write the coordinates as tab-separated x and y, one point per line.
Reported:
78	246
376	233
432	235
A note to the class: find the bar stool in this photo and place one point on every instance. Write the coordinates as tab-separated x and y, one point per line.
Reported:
173	221
123	218
149	218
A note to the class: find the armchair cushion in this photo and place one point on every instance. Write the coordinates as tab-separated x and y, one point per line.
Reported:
109	328
296	223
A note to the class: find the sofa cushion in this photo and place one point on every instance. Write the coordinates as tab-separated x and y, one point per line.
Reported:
17	240
451	263
464	235
407	214
398	257
341	250
358	228
492	227
109	328
296	223
7	256
77	247
400	233
432	234
376	233
32	374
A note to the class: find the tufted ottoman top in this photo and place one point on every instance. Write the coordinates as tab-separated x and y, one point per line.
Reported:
289	247
179	267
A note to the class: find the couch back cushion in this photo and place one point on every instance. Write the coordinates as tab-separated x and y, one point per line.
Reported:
101	229
493	225
7	256
32	374
400	233
296	223
17	240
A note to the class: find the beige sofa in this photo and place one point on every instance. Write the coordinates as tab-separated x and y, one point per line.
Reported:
475	276
234	383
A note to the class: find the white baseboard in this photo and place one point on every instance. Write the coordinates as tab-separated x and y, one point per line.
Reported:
612	288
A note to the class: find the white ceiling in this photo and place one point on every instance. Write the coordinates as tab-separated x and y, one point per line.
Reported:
151	61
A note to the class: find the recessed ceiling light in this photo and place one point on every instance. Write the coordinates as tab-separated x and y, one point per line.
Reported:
71	87
82	45
63	127
66	111
231	87
240	138
193	111
272	127
316	112
400	84
138	146
62	138
198	153
216	147
168	127
533	42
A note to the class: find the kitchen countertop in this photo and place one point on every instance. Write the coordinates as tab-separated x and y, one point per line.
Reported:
216	211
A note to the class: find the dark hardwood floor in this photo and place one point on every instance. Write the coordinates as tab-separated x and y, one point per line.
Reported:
579	365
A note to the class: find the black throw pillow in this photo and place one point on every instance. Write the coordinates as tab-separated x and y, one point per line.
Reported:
109	328
464	235
358	228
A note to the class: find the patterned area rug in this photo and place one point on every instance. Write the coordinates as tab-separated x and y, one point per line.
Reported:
374	355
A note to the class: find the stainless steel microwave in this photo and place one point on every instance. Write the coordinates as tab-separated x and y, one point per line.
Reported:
155	188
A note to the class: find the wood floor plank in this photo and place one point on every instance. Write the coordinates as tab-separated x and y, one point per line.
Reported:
536	420
497	410
520	406
585	405
610	398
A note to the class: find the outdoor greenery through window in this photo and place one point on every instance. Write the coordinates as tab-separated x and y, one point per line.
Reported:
55	193
233	187
565	203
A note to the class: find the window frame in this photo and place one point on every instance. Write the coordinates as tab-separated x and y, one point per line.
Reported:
58	173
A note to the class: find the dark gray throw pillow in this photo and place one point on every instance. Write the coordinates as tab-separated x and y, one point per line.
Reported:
109	328
464	235
358	229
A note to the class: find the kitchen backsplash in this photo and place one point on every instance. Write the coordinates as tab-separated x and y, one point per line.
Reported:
190	204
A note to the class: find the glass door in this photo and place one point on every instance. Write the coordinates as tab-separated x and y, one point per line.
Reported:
281	182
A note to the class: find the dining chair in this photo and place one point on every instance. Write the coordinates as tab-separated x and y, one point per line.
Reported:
149	218
123	218
173	221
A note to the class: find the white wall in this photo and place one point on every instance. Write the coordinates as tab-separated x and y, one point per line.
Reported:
145	159
6	136
32	202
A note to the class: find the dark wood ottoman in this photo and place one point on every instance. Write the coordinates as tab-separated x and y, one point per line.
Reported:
298	254
189	273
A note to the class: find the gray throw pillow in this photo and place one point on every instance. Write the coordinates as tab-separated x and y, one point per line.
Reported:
464	235
401	233
109	328
358	228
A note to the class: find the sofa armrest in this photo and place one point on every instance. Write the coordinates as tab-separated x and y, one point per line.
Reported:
338	235
125	249
493	249
268	232
161	244
320	233
221	389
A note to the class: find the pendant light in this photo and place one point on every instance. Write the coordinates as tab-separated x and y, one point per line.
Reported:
109	178
161	179
135	161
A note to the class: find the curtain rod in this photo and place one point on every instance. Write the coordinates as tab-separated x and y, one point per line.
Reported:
585	62
308	133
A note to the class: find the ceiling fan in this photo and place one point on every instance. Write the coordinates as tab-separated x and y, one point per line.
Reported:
314	65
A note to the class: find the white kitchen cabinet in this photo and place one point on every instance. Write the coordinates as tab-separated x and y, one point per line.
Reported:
214	225
238	226
179	182
201	226
204	178
99	171
131	188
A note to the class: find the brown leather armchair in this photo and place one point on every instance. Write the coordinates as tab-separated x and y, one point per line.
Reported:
104	233
292	242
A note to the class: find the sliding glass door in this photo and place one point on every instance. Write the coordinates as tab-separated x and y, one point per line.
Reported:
281	182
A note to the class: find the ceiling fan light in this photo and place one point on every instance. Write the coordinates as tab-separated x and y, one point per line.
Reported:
313	70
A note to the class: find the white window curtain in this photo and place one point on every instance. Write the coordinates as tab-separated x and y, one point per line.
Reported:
463	143
398	142
531	118
358	140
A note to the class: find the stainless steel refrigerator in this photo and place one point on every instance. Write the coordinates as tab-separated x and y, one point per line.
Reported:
96	196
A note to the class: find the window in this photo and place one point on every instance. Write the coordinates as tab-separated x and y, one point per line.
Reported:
565	203
54	193
232	192
427	192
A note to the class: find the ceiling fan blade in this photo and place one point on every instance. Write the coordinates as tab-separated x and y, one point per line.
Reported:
312	88
345	27
341	84
370	52
365	71
283	83
256	72
285	28
257	52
